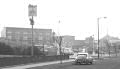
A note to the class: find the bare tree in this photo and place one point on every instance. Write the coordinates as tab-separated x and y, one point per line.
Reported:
108	45
58	40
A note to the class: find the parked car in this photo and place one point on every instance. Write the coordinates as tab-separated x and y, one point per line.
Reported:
83	58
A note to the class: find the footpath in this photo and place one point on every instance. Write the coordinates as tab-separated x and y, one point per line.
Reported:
36	64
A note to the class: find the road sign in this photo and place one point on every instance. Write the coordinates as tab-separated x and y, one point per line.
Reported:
32	10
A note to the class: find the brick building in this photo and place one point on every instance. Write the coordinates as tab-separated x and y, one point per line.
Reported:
24	35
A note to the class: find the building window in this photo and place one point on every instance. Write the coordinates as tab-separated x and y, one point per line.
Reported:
17	33
40	38
9	37
47	38
9	32
40	34
47	34
34	33
17	38
24	38
25	33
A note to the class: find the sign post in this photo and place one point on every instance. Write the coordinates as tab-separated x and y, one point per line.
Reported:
32	11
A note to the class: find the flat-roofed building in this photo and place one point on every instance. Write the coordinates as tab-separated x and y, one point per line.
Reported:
68	41
24	35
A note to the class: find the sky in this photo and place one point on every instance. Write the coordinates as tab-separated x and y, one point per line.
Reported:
77	17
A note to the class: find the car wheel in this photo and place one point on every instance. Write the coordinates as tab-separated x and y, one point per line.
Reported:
80	63
75	63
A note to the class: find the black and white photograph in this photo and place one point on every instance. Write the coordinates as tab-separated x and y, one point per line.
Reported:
59	34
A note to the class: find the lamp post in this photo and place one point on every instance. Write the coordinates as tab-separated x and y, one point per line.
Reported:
60	43
98	33
93	46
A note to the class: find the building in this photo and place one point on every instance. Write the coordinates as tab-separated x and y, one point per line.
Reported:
24	35
78	44
87	44
89	41
68	41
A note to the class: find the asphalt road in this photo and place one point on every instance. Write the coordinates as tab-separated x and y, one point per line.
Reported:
111	63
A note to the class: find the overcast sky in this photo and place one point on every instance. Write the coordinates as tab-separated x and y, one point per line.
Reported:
78	17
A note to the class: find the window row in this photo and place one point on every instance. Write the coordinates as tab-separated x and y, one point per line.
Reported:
27	33
28	38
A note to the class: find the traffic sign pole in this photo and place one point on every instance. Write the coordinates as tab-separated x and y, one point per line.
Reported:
32	9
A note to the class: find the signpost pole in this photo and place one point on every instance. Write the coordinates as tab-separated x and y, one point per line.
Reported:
32	38
32	9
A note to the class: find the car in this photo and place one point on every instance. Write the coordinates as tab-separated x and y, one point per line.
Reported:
73	56
83	58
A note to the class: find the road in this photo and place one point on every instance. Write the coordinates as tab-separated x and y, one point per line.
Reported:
111	63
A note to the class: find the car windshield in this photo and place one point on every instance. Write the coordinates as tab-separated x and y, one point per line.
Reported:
82	55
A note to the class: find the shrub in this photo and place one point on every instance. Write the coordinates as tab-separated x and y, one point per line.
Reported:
6	49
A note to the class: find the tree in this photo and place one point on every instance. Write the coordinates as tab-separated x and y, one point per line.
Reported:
17	50
58	40
108	45
36	52
116	46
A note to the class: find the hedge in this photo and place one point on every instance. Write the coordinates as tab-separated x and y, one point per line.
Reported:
10	61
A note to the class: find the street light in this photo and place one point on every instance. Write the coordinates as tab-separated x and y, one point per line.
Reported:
93	46
98	32
60	41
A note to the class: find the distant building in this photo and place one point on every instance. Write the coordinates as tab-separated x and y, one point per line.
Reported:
84	44
24	35
89	41
68	41
78	45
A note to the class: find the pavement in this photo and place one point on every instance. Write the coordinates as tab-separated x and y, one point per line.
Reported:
35	64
